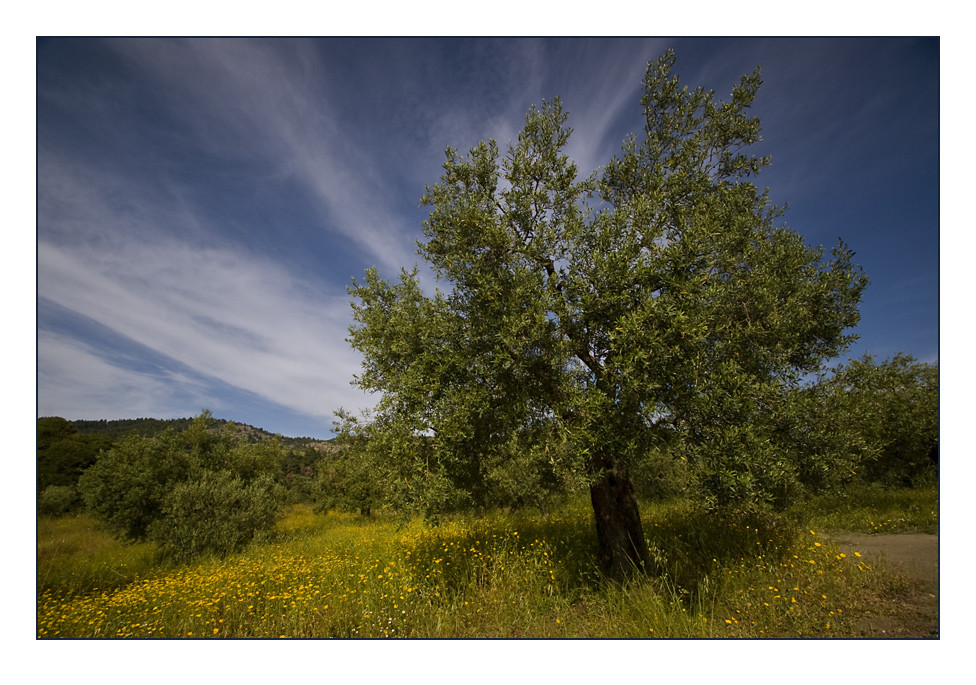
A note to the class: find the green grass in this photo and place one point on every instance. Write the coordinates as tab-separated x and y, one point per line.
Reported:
872	509
518	575
76	554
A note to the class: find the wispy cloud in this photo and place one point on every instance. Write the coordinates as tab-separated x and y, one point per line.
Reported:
75	380
141	258
604	99
221	310
222	313
272	102
598	83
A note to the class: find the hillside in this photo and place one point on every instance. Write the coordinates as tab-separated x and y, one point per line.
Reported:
119	428
65	449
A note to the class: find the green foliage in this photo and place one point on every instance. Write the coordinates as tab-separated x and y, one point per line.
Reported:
298	474
795	439
147	427
219	513
893	409
120	428
529	477
660	476
57	500
140	487
587	323
63	453
347	482
126	486
51	429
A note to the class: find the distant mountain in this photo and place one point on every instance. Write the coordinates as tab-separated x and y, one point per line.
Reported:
66	448
122	427
147	427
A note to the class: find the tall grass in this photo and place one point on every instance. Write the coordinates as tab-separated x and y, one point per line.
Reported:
873	509
502	575
76	554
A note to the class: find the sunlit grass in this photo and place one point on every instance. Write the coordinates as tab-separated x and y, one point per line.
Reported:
518	575
76	554
868	509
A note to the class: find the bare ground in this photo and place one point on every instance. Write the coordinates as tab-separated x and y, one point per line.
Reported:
908	607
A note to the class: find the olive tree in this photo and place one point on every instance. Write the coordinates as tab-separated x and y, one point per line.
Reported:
194	490
218	513
656	298
891	409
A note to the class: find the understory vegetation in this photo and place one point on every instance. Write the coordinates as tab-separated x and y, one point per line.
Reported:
320	575
201	533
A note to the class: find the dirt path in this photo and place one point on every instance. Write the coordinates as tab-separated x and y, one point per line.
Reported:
912	611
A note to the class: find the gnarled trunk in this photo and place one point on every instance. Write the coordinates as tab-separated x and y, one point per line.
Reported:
623	550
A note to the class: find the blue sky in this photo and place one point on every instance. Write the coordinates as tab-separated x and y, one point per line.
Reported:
203	203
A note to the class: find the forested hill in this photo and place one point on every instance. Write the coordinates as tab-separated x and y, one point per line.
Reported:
119	428
66	448
122	427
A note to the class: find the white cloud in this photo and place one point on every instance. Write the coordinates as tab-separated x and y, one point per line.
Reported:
74	381
137	258
222	313
248	98
135	268
596	82
612	91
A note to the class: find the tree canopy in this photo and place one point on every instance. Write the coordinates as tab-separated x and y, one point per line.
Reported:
63	453
891	411
192	491
585	321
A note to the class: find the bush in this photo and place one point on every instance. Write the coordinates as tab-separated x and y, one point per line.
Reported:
893	408
661	476
126	486
194	491
63	453
56	500
219	513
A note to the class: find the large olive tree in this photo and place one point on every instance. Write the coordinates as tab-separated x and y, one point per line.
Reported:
584	321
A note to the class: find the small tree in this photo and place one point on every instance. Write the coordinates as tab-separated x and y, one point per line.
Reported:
219	513
63	453
57	500
127	485
654	300
890	410
193	490
349	477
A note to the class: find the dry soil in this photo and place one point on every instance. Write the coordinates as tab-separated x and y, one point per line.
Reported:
911	608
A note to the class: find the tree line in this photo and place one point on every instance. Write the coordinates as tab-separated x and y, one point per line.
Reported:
207	489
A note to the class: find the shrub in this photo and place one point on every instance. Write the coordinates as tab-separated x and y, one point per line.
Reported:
56	500
63	453
194	491
218	513
126	486
892	407
661	476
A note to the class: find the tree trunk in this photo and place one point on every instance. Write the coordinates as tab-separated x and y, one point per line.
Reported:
623	550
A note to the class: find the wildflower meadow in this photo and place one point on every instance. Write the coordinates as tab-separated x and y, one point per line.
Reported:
496	576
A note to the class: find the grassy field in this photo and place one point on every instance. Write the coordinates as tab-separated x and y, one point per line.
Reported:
524	575
874	510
